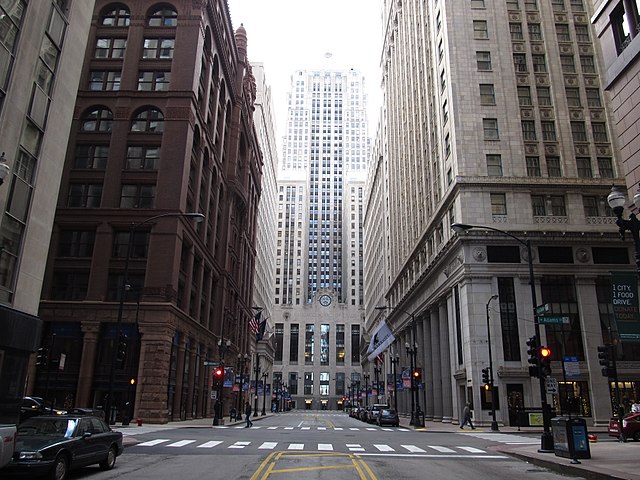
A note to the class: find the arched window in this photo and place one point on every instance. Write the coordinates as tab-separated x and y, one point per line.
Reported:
116	16
149	120
163	17
97	120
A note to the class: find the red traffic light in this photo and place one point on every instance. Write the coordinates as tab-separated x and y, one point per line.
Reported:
218	372
416	374
545	352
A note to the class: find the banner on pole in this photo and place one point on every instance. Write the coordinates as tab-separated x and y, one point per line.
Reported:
380	340
624	296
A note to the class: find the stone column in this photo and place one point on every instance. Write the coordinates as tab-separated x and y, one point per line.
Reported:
436	354
153	372
447	383
190	356
177	399
427	374
91	333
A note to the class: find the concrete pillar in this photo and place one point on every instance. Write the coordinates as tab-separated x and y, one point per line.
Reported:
424	353
436	354
190	356
445	355
91	334
177	399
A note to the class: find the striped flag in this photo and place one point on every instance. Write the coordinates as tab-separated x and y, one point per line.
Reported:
380	358
254	323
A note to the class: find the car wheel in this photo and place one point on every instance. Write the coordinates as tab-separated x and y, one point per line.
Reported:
109	462
60	468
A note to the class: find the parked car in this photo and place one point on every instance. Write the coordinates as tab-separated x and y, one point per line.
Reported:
388	416
364	414
33	406
354	412
53	445
375	410
630	426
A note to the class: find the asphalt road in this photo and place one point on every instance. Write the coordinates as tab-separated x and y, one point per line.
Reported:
315	445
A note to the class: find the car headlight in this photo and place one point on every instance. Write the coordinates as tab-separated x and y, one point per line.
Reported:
26	455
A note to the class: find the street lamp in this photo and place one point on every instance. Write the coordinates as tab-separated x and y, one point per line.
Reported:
416	418
124	286
494	424
264	392
616	200
377	370
394	362
242	360
546	440
366	389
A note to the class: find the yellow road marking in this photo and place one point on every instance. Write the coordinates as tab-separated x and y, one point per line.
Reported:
268	466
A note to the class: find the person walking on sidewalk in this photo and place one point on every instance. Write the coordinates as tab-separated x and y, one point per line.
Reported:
247	412
466	417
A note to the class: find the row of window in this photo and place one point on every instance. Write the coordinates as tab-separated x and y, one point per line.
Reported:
554	205
553	164
120	16
156	80
548	130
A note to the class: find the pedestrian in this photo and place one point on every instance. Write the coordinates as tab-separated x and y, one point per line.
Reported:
466	417
233	414
247	412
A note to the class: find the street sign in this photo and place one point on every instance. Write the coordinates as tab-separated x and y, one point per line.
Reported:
210	364
571	366
214	395
540	309
552	319
552	385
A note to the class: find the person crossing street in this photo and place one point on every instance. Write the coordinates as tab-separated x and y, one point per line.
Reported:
247	412
466	417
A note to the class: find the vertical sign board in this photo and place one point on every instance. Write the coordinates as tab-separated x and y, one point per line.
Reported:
624	296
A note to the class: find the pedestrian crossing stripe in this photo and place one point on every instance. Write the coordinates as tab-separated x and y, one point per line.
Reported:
321	429
326	447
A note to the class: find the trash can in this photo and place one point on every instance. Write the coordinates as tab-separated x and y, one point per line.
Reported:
570	437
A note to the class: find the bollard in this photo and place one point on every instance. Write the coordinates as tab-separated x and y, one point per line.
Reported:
139	421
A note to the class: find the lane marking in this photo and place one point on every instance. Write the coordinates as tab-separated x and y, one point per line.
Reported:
151	443
239	445
268	446
384	448
305	428
322	428
339	428
181	443
355	447
413	449
272	428
435	455
296	446
372	429
288	428
325	447
210	444
441	449
472	449
354	429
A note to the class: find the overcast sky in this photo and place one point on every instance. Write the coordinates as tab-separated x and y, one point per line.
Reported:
286	35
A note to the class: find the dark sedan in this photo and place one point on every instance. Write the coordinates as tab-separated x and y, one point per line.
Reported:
53	445
388	416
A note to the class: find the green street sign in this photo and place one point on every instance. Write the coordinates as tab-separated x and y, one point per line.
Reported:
540	309
552	319
210	364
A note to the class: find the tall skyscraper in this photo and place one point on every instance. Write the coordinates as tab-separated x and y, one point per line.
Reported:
495	117
319	251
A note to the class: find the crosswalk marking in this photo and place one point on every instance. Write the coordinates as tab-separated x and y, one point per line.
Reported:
339	428
268	446
181	443
355	447
152	443
305	428
372	429
288	428
384	448
388	429
296	446
442	449
504	438
325	447
322	428
211	444
239	445
354	429
471	449
271	428
413	449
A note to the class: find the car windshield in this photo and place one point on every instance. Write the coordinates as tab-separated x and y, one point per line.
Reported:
55	427
388	412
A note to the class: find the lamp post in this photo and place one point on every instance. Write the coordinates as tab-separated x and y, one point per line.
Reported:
124	286
257	370
394	362
494	423
546	440
366	389
264	392
242	360
376	371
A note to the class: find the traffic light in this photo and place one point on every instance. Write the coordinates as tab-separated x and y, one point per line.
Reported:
42	357
532	351
121	351
545	362
485	376
218	375
606	356
417	376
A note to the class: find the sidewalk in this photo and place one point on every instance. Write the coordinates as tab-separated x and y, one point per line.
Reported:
609	459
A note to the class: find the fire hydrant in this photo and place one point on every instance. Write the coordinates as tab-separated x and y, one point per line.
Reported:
139	421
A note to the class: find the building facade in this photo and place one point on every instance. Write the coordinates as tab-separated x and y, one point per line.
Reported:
495	117
40	45
319	295
162	127
616	25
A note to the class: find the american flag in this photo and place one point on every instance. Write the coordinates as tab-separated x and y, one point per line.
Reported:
254	323
380	358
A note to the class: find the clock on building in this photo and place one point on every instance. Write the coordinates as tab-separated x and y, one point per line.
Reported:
325	300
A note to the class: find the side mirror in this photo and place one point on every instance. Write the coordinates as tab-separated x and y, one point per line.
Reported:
86	435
